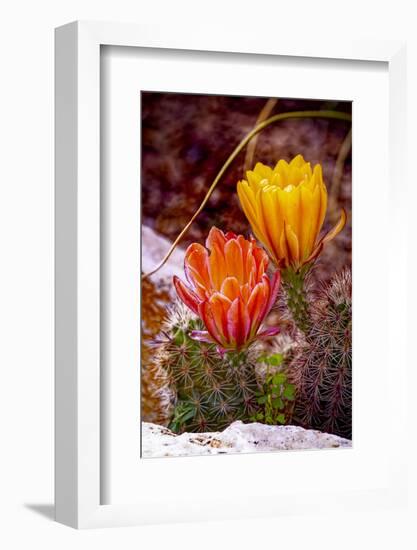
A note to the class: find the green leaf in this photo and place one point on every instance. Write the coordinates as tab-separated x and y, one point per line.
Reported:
262	400
278	403
275	359
279	378
288	392
281	418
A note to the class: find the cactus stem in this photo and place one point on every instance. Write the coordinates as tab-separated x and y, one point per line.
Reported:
294	284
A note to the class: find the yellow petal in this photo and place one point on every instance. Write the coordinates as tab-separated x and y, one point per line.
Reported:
285	253
297	161
336	229
263	170
307	233
282	169
254	180
323	197
293	245
289	199
247	200
295	176
271	220
315	212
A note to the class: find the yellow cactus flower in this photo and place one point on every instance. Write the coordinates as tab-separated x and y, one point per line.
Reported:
286	207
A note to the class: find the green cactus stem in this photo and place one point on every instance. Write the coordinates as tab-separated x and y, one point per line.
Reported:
322	369
294	284
211	390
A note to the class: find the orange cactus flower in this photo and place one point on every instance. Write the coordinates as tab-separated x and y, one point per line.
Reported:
286	207
228	289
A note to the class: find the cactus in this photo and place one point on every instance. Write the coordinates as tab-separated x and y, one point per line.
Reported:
296	290
322	369
211	390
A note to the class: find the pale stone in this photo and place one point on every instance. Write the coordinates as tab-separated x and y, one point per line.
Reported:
154	248
158	441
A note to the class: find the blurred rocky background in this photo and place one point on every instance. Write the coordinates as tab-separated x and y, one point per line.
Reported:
187	138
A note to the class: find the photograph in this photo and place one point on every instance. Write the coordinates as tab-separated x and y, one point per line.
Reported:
246	274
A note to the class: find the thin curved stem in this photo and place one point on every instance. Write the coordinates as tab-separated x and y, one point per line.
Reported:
337	115
338	174
263	115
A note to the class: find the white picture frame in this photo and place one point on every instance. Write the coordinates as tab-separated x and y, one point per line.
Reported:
77	242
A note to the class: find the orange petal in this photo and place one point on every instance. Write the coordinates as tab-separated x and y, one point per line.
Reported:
238	323
261	260
206	315
196	265
215	237
234	260
219	306
230	288
189	298
217	267
257	304
245	292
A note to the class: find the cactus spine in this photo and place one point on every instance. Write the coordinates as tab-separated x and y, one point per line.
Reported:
211	390
322	369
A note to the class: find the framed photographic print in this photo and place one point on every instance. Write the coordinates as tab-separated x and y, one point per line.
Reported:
218	311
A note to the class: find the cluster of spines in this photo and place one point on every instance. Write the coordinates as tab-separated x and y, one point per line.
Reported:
211	390
295	296
322	369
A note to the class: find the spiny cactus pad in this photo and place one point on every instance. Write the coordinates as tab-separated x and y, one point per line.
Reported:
322	370
212	390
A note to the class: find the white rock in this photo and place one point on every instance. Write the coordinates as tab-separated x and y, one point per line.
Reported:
154	248
158	441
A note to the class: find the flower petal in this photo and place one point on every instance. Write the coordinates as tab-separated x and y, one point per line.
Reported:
257	305
336	229
196	266
268	332
234	260
328	236
274	289
189	297
215	238
292	245
219	306
206	315
238	323
230	288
